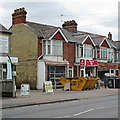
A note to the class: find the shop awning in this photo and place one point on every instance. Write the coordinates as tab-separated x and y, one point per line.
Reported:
56	62
3	59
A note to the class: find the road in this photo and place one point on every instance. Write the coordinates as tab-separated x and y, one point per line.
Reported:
100	107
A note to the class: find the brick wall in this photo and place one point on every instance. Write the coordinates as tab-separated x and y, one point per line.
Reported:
24	45
58	36
69	52
104	44
88	41
19	16
39	47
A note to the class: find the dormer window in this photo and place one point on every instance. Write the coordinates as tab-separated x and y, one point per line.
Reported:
88	50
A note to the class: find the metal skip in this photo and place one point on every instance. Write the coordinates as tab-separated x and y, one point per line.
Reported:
79	83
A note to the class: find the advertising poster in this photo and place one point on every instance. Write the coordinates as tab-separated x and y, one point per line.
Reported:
48	87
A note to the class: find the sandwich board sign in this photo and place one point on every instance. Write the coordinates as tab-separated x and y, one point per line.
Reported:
48	87
67	86
25	89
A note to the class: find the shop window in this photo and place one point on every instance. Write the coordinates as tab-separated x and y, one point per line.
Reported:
103	52
112	72
4	71
117	72
82	72
88	52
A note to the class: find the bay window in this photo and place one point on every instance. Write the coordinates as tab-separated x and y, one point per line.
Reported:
52	47
88	51
44	47
4	48
78	51
103	52
56	47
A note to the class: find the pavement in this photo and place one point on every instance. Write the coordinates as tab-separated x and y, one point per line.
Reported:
38	97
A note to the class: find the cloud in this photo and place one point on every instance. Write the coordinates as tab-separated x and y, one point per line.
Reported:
97	16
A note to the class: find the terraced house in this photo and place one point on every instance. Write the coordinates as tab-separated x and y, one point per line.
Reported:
48	52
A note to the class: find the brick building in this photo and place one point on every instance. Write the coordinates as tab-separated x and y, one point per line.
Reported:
48	52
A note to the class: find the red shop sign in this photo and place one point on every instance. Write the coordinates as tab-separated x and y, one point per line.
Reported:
82	62
91	63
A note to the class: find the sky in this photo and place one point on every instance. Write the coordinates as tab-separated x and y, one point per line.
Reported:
94	16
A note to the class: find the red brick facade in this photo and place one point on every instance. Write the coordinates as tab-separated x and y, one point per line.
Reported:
105	44
39	47
58	36
70	25
88	41
19	16
69	52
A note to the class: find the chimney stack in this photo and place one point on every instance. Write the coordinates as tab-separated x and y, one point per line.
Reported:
19	16
70	25
110	36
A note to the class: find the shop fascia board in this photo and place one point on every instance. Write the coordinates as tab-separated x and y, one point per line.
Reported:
3	59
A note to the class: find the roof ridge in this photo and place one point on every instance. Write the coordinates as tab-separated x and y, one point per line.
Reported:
98	37
89	33
116	41
39	24
49	28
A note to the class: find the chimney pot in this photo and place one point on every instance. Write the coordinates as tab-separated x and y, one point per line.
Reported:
19	16
110	36
70	25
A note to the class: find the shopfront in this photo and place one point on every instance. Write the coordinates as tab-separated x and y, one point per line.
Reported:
4	68
51	71
108	69
88	68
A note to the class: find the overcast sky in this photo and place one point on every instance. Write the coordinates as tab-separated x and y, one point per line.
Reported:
94	16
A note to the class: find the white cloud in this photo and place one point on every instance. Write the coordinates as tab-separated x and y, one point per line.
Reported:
97	16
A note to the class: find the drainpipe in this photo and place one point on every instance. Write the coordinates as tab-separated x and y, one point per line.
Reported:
40	57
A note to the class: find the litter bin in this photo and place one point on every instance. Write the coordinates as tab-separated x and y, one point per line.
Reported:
111	83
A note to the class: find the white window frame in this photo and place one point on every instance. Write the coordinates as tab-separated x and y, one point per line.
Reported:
61	51
87	52
71	69
82	69
4	45
112	73
101	50
78	51
51	47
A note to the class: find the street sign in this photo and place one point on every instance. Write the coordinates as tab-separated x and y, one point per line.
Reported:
25	89
48	87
